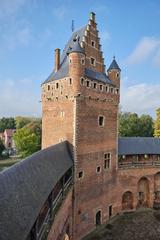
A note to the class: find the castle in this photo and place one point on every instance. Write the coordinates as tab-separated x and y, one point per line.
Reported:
83	162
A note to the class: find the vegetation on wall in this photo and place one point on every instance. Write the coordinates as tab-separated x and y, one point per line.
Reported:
157	124
132	125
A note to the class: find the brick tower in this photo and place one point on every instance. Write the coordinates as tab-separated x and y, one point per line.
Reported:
80	104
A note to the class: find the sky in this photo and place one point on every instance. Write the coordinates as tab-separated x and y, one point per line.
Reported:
30	30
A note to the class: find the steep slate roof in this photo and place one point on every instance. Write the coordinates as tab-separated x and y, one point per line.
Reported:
71	46
64	65
25	187
138	145
114	65
97	76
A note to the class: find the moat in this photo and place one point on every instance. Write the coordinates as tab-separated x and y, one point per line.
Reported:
139	225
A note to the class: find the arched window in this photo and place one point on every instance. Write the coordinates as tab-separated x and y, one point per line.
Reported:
98	218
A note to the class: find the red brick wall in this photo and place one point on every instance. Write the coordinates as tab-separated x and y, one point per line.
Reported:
63	220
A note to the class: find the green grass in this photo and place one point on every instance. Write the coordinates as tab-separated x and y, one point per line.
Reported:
8	162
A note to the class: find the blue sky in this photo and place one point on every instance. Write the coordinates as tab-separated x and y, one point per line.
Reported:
30	30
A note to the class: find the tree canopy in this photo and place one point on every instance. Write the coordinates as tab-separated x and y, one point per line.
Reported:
157	124
26	142
131	125
7	123
1	147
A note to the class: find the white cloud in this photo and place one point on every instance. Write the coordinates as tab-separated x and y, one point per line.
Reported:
59	12
105	36
156	59
9	8
144	49
20	37
17	98
141	98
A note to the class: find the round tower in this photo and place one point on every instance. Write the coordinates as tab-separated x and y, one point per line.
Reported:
114	72
76	55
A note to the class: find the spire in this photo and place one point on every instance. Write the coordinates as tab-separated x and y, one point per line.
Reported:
76	47
114	65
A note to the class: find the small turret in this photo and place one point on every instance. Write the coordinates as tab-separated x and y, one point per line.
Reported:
76	55
114	73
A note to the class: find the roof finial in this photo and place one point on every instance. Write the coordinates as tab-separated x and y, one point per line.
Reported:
114	57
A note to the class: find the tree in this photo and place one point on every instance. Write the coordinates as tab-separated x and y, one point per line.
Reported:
7	123
157	124
22	121
146	126
2	147
131	125
26	142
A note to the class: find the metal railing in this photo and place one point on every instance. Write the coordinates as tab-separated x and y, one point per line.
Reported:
140	164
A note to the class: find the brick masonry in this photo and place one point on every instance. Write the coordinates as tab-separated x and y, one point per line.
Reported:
71	109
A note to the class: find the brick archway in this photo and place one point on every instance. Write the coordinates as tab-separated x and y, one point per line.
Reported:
143	193
157	189
127	200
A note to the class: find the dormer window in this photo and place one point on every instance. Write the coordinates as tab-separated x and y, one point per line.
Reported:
93	61
93	43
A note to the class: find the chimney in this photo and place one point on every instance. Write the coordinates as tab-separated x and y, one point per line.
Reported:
57	59
92	16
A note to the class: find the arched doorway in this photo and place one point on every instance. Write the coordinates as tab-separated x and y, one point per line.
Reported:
143	192
98	218
157	188
127	200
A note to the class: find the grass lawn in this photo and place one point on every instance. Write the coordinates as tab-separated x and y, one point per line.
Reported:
5	163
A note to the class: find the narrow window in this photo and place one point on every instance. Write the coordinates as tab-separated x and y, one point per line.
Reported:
101	87
93	61
118	75
82	81
101	121
98	218
80	174
70	81
95	85
88	84
57	85
107	160
110	211
111	90
70	60
98	170
48	87
82	61
93	44
106	89
117	91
